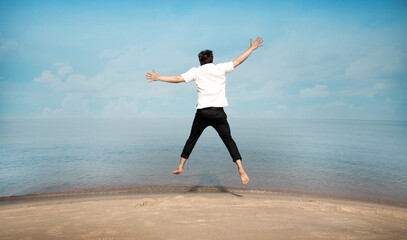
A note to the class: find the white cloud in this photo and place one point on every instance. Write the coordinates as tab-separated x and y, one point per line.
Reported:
120	108
50	113
64	70
338	109
110	53
365	92
75	82
6	45
58	64
73	105
268	114
101	84
55	80
341	55
121	80
48	77
377	63
379	86
315	92
282	107
245	92
339	103
131	59
66	82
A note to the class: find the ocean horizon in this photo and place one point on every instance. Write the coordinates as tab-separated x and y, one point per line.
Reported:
356	159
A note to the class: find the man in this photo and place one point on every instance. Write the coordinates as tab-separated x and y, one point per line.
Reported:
210	82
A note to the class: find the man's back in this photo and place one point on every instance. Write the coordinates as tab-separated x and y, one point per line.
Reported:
210	82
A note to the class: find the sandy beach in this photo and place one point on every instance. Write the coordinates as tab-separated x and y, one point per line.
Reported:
198	215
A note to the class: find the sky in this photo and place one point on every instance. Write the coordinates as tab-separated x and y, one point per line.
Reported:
87	59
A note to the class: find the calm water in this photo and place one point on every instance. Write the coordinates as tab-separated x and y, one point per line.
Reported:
346	158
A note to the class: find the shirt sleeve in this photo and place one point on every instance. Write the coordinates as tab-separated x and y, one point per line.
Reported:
189	75
226	67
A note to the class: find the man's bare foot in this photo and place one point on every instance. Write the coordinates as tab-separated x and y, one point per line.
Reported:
180	166
243	176
178	171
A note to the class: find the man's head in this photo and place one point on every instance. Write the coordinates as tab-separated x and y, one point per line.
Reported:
205	57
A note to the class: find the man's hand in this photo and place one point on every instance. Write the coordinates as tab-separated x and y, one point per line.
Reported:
152	76
257	43
253	45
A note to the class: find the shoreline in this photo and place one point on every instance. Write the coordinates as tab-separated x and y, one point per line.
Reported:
180	189
198	215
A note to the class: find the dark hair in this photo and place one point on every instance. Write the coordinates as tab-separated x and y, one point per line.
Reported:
205	57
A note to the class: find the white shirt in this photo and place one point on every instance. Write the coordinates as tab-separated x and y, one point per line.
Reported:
210	83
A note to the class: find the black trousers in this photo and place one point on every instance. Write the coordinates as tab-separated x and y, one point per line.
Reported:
215	117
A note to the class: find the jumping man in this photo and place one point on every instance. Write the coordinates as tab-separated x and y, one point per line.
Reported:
210	82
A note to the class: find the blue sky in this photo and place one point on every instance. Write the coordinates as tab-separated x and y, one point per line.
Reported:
321	59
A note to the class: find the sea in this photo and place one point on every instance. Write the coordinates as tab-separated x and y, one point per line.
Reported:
351	159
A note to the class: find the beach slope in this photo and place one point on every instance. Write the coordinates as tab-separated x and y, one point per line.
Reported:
200	216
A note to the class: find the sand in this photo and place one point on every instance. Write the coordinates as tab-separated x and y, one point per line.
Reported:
194	215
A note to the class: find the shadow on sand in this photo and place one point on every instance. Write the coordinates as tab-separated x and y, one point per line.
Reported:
214	185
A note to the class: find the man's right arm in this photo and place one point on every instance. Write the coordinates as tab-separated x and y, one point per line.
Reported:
170	79
253	45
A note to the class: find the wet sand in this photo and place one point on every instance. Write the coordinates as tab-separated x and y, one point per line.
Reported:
198	215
